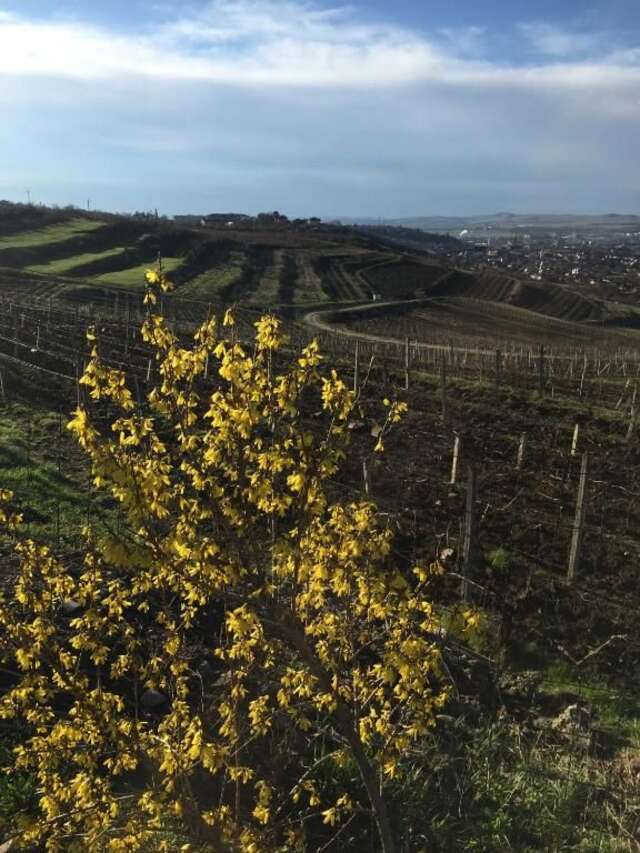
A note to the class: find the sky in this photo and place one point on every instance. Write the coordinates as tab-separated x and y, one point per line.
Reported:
365	109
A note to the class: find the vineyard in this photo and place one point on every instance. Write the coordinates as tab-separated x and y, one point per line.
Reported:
516	466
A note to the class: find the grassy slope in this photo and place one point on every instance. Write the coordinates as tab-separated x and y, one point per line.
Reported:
209	283
67	265
52	234
134	276
268	292
308	287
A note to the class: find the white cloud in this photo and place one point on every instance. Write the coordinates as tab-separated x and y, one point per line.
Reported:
235	42
551	40
293	43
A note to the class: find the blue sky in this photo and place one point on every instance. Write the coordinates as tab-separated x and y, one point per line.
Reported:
365	109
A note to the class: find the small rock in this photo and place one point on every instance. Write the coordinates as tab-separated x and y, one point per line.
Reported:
205	669
152	698
574	718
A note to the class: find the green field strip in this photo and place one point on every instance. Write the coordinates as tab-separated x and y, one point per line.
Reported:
64	265
308	287
208	284
51	234
134	276
269	287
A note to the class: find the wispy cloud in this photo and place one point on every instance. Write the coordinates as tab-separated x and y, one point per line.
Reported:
235	42
554	41
293	43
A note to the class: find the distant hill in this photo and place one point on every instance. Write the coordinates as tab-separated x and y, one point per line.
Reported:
509	223
411	238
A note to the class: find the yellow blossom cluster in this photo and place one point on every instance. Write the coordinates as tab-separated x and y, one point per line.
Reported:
178	680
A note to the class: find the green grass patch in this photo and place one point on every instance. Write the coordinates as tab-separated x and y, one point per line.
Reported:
208	284
617	710
268	290
134	276
52	234
17	790
65	265
47	473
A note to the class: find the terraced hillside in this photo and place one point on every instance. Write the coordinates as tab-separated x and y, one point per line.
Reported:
426	301
267	269
471	323
83	258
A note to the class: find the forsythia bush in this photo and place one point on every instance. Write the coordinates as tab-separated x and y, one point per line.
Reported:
241	658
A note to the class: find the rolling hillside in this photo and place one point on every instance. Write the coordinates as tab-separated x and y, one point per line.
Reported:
80	258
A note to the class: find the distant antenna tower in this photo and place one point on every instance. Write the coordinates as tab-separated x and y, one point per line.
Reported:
88	204
28	192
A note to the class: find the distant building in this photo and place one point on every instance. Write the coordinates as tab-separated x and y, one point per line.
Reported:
274	218
187	221
227	219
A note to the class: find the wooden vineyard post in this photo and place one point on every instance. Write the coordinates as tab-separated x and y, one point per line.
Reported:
2	391
16	337
521	446
406	364
498	365
578	522
443	388
78	389
621	397
574	442
366	478
454	463
632	415
356	365
541	370
469	534
584	371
